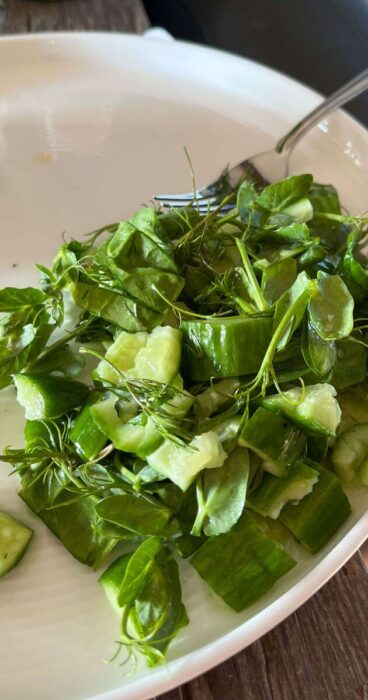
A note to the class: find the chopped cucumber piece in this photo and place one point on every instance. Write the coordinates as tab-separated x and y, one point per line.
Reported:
228	429
14	540
48	397
314	408
111	580
182	464
154	356
137	435
273	439
225	347
273	493
215	397
242	564
315	519
122	353
85	434
350	455
159	359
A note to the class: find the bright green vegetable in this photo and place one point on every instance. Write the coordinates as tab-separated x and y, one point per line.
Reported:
350	455
182	464
122	354
273	493
137	435
88	439
242	564
277	442
315	519
313	408
48	397
226	347
331	308
14	540
221	494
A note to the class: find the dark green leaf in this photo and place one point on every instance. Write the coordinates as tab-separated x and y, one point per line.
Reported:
281	194
135	513
221	494
13	299
137	570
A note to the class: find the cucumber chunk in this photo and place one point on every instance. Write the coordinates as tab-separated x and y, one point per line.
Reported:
14	540
273	493
314	408
159	359
315	519
182	464
122	353
273	439
137	435
48	397
350	455
225	347
242	564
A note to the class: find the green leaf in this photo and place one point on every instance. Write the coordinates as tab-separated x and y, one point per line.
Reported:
61	359
73	524
281	194
331	308
351	363
13	299
295	298
354	268
277	278
293	232
221	494
135	513
137	570
320	355
114	307
158	609
247	195
324	198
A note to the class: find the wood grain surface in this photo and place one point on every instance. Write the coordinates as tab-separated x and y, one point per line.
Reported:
321	651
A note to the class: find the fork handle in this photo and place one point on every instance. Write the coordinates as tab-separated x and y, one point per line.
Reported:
351	89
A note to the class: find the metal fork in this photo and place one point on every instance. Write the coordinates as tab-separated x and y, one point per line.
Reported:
267	166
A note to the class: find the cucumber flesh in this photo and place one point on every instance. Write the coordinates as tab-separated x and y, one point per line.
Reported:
182	464
14	540
112	578
314	408
122	353
301	211
350	455
159	359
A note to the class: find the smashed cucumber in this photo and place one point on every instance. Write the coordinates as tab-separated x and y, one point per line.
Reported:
14	540
313	408
47	396
182	464
154	356
273	493
273	439
139	435
318	516
224	347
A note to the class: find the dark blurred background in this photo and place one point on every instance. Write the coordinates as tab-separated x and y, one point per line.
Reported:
322	43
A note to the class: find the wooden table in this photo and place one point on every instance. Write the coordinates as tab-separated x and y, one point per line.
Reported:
320	652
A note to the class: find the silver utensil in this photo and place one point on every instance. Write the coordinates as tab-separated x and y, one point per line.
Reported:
270	165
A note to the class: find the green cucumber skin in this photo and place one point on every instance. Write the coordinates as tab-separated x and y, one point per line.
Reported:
230	347
52	397
273	439
272	494
12	552
315	519
242	564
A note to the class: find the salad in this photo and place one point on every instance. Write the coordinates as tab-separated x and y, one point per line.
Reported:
222	403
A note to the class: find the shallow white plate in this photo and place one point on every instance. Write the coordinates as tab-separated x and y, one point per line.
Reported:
90	126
